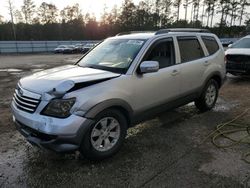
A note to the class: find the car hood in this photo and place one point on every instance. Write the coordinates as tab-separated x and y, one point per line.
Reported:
238	51
65	77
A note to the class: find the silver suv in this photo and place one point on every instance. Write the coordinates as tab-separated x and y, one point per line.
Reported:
122	81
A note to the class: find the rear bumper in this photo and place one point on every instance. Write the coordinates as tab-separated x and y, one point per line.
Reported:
60	135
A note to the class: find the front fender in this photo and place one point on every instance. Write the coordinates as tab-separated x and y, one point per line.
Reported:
120	103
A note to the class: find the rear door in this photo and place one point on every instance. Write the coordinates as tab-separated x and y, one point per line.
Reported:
192	63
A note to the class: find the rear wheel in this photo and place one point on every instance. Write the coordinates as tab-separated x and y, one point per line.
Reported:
208	97
105	136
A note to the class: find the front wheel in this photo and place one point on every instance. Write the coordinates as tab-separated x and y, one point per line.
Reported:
105	136
208	97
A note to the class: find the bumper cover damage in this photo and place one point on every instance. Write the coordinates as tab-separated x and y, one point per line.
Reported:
52	138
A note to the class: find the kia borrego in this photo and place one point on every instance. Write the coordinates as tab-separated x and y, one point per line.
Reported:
122	81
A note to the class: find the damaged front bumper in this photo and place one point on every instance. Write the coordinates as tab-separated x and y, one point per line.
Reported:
60	135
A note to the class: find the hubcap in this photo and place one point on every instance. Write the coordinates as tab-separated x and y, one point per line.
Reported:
210	95
105	134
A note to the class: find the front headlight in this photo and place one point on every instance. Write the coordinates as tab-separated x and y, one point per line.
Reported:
59	108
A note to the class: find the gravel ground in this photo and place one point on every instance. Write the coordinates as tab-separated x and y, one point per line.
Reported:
167	151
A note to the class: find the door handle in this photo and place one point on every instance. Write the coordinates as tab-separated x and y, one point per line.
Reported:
175	72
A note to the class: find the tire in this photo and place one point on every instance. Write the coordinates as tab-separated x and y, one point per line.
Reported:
208	97
98	144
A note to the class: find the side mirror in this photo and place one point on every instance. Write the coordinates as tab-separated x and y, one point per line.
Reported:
230	45
149	66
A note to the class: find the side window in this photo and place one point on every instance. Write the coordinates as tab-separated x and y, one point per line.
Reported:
211	44
163	52
190	49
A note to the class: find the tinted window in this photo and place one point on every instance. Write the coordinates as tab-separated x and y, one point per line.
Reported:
211	44
190	49
163	52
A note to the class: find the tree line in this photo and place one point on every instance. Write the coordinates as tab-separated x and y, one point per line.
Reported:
47	22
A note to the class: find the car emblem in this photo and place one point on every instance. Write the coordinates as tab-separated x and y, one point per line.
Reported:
20	92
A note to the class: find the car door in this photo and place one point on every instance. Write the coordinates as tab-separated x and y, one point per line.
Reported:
192	63
154	89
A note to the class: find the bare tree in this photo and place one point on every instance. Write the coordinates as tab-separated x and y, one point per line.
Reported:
243	5
70	13
177	5
185	5
18	16
213	3
11	12
197	9
1	19
28	10
208	10
234	7
203	12
47	13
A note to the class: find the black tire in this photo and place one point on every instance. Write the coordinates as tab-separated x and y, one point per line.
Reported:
201	103
89	151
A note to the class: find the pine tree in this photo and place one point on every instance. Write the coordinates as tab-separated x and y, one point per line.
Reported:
28	10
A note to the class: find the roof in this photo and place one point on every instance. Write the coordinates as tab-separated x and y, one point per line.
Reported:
150	34
136	36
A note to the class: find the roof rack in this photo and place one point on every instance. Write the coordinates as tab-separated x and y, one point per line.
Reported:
196	30
133	32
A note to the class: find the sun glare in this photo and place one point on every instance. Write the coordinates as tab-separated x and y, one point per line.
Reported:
97	7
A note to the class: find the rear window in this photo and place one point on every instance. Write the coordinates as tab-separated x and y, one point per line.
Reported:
211	44
190	49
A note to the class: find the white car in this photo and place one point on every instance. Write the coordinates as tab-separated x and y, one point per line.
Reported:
238	57
122	81
66	49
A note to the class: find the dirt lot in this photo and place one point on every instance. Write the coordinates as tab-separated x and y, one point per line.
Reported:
167	151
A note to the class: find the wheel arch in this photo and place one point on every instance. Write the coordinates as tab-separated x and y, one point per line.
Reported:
216	76
117	104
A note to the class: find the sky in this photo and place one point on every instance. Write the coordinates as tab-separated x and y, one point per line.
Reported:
91	6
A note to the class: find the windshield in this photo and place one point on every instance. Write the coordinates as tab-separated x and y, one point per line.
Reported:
243	43
114	55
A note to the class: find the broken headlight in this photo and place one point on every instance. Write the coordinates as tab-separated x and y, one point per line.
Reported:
59	108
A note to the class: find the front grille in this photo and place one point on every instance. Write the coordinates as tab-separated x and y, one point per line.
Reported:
238	58
238	62
25	102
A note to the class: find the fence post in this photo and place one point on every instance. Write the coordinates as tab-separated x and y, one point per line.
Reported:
46	45
16	47
31	46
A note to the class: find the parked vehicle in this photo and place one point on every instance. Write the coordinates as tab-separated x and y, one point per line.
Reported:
65	49
60	48
78	48
70	49
124	80
87	47
226	42
238	57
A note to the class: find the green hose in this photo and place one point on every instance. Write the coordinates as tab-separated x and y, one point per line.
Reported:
232	127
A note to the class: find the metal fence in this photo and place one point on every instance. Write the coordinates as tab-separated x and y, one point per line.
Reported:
35	46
